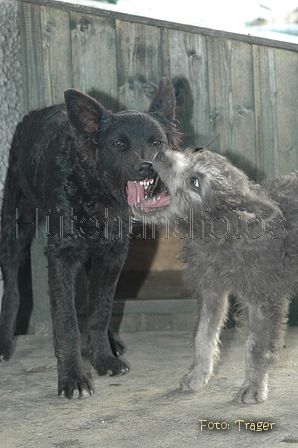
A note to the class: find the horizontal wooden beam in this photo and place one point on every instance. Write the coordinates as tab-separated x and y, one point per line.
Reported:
97	11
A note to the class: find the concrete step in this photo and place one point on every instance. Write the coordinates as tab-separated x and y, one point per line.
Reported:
150	315
144	301
149	301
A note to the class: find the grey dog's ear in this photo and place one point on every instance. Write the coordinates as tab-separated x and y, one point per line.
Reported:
259	206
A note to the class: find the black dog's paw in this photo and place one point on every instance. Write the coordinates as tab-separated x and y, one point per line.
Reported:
6	350
108	365
75	387
116	346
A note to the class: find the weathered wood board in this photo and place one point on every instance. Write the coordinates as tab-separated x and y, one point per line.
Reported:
188	68
33	76
94	58
57	69
139	63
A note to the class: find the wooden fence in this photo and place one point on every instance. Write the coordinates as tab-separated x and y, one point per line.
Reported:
245	89
240	88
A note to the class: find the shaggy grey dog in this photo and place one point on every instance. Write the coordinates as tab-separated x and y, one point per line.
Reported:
237	238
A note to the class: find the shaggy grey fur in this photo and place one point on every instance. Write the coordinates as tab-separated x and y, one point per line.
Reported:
237	238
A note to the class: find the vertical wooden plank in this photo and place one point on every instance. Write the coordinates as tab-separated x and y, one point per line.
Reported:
94	58
278	89
279	99
230	69
32	62
140	63
268	112
258	113
55	33
286	63
165	52
188	70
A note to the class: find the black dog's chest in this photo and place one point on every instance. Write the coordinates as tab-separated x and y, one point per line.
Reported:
99	225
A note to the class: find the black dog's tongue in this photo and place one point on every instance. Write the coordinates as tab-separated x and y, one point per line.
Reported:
138	196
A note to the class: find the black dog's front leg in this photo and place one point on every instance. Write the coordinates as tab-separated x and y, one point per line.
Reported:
103	277
71	373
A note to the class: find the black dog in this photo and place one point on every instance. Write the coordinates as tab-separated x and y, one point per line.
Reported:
80	167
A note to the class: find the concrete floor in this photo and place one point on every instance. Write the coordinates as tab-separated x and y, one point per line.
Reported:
146	407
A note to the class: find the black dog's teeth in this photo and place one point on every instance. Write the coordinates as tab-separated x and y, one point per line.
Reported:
154	186
146	184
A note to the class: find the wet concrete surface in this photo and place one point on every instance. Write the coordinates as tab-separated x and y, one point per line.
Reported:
146	407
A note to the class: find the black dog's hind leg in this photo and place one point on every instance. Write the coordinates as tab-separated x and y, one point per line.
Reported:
71	373
103	277
17	230
267	324
212	313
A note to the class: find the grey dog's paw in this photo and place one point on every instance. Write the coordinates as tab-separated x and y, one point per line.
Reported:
193	380
251	395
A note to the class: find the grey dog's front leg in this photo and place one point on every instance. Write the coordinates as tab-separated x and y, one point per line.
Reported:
212	314
267	323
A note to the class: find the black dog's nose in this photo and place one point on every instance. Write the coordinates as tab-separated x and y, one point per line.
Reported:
146	169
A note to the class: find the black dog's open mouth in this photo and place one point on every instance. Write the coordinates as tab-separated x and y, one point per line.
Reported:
147	195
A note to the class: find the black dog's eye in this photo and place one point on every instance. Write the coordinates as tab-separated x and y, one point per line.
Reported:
156	143
118	144
195	182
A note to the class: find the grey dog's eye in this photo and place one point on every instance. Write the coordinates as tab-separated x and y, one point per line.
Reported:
195	182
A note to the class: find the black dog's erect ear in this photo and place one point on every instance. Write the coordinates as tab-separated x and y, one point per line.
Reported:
164	100
163	107
83	112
